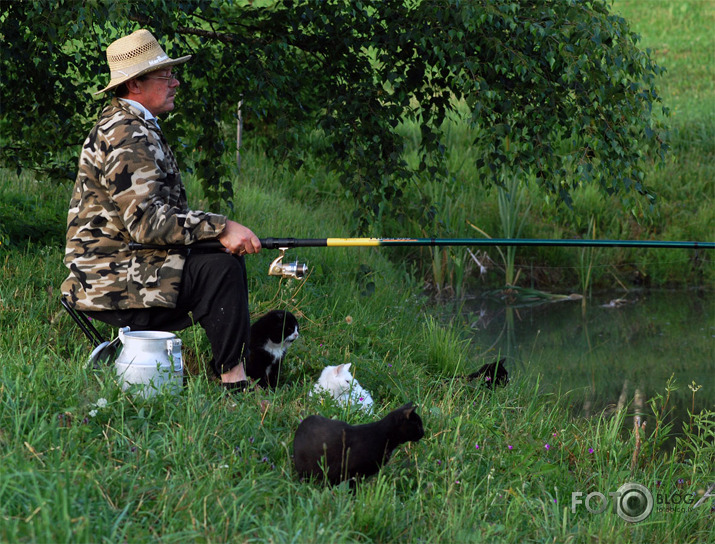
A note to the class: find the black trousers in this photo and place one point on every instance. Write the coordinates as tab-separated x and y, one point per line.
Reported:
214	294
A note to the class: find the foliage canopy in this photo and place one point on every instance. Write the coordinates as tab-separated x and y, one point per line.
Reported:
556	91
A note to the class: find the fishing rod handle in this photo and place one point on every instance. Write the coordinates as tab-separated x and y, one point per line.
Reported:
215	245
277	243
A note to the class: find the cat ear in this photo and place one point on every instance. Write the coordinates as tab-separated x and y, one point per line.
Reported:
407	409
347	366
338	369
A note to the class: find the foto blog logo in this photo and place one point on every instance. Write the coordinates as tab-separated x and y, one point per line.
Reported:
632	502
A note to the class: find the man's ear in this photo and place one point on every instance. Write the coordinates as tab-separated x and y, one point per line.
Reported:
133	86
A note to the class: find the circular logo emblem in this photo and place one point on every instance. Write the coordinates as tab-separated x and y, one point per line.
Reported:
634	502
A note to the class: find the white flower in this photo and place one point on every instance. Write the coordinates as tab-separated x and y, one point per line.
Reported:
101	403
92	413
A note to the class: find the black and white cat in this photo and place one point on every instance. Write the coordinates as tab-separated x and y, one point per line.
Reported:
334	450
271	336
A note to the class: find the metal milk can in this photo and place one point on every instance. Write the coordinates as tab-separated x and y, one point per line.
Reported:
150	362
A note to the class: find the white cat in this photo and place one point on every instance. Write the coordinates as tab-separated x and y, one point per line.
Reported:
340	384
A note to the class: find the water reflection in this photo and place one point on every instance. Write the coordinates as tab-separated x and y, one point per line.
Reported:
614	351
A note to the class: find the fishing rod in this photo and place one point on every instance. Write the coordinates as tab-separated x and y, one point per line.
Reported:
277	243
298	270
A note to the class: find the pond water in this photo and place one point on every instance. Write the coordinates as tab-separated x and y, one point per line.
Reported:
616	350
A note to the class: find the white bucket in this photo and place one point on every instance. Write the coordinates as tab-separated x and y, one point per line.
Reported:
150	361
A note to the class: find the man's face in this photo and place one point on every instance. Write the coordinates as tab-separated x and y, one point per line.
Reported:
157	91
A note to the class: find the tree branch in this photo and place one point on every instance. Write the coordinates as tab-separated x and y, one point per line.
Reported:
221	37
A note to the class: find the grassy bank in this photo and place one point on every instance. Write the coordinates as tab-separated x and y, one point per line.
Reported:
84	462
205	467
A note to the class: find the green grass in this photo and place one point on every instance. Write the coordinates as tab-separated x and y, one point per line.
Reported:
681	38
205	467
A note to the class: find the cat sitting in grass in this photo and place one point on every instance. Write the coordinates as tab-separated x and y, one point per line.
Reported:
491	374
340	384
271	336
332	450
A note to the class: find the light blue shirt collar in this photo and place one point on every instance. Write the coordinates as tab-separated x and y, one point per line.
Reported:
147	114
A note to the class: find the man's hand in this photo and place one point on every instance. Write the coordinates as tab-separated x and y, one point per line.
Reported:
239	239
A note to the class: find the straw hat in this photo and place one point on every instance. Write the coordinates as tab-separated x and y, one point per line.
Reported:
135	55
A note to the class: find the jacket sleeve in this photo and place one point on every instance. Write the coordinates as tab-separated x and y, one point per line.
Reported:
144	183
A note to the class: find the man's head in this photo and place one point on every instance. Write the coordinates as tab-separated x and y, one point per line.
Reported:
155	90
142	71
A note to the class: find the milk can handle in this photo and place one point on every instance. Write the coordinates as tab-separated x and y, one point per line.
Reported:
173	348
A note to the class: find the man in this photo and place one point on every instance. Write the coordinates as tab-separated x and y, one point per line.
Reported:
129	189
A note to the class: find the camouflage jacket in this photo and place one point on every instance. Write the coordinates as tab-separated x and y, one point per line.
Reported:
128	188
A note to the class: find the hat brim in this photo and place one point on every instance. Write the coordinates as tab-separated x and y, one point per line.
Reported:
153	68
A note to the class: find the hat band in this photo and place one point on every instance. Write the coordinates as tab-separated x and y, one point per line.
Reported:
157	60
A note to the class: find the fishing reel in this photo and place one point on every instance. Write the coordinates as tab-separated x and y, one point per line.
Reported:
287	270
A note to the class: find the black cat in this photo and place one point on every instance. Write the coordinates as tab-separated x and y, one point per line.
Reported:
338	451
271	335
491	374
